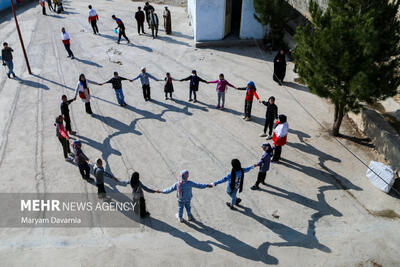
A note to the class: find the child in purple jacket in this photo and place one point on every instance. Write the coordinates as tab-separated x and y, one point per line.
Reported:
264	165
221	88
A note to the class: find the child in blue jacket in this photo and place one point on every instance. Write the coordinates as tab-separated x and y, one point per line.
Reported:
184	193
234	181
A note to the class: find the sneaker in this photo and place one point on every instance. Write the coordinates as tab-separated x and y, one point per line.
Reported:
71	155
72	132
268	137
229	205
68	159
190	100
68	56
244	117
222	107
190	218
195	101
179	218
238	200
218	107
9	76
72	57
262	135
247	119
254	187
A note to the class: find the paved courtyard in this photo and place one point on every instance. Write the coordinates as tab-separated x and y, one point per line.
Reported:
319	209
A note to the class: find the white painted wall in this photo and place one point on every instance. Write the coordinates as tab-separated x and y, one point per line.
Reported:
250	27
210	15
191	5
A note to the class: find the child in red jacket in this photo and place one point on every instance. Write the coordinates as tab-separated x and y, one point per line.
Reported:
279	137
248	103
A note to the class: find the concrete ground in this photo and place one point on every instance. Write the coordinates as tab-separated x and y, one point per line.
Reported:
326	213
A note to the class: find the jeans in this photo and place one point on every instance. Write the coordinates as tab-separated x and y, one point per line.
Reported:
140	26
146	91
190	94
221	95
154	30
68	48
232	194
10	66
122	33
120	96
247	108
94	26
269	123
84	169
65	145
184	204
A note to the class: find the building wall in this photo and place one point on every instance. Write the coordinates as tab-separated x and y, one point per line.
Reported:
250	27
210	17
191	6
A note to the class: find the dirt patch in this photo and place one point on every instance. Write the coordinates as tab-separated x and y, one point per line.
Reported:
371	263
388	214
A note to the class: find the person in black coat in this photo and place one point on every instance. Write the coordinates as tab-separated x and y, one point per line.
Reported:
270	116
279	67
65	113
194	84
148	8
139	16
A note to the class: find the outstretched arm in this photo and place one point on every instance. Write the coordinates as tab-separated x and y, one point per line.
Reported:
242	88
222	180
145	188
216	81
137	77
169	190
186	79
202	80
152	77
199	186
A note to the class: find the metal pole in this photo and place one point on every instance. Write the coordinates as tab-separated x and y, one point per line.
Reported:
20	38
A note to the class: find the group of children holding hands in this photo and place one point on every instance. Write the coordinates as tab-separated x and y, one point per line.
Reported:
277	126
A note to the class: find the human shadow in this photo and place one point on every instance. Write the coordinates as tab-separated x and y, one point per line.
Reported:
145	48
296	86
172	40
55	16
32	83
88	62
232	244
117	125
292	237
182	35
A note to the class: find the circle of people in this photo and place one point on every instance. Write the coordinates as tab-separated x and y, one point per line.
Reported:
276	124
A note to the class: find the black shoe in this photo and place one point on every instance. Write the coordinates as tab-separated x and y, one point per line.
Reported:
264	183
9	76
238	200
190	100
229	205
195	101
72	57
254	187
68	56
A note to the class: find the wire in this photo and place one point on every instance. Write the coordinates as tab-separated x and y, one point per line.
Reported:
317	121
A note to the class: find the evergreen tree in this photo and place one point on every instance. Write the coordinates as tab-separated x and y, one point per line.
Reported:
275	13
350	53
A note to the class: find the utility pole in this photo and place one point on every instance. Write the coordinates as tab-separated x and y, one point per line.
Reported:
20	38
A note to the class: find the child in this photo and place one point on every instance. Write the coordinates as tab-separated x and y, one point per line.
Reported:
82	89
270	116
280	137
63	137
221	88
248	102
65	113
99	173
117	86
264	165
144	79
234	181
184	193
138	195
81	160
194	85
168	86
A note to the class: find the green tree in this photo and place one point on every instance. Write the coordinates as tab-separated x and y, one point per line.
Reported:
275	13
349	53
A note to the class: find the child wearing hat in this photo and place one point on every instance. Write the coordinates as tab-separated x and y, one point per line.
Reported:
184	193
248	102
264	165
99	173
234	181
138	195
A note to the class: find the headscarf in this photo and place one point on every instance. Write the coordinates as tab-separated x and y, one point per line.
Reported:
236	166
183	178
252	85
134	180
282	128
84	82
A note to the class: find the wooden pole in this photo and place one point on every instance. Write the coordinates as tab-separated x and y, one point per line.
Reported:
20	38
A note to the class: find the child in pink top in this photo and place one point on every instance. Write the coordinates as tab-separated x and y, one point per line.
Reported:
221	88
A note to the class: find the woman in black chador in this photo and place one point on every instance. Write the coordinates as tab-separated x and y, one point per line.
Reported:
279	67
